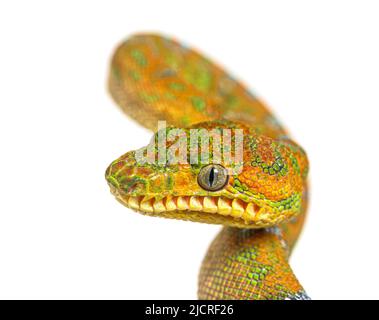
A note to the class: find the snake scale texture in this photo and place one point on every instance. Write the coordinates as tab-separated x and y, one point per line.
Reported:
262	206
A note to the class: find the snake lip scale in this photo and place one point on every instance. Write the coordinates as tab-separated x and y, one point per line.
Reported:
233	209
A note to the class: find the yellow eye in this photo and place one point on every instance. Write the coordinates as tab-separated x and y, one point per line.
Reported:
212	177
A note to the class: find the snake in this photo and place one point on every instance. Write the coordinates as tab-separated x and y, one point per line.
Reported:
260	200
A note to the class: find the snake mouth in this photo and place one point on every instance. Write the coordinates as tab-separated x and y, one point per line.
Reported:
208	209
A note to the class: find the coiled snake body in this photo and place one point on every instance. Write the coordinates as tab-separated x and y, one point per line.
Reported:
262	206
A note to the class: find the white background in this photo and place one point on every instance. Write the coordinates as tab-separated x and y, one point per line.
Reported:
62	235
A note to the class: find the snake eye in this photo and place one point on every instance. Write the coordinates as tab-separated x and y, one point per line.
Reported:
212	177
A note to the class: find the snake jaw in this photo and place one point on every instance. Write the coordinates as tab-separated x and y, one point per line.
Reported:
209	209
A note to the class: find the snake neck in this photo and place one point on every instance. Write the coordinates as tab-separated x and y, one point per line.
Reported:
250	265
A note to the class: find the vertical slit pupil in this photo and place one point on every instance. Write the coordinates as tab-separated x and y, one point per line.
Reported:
213	176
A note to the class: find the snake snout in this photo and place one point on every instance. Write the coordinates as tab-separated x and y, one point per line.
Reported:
122	178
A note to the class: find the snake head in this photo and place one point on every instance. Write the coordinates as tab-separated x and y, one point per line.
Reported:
261	183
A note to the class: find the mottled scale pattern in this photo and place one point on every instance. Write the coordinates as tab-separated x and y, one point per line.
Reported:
262	207
248	264
154	78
